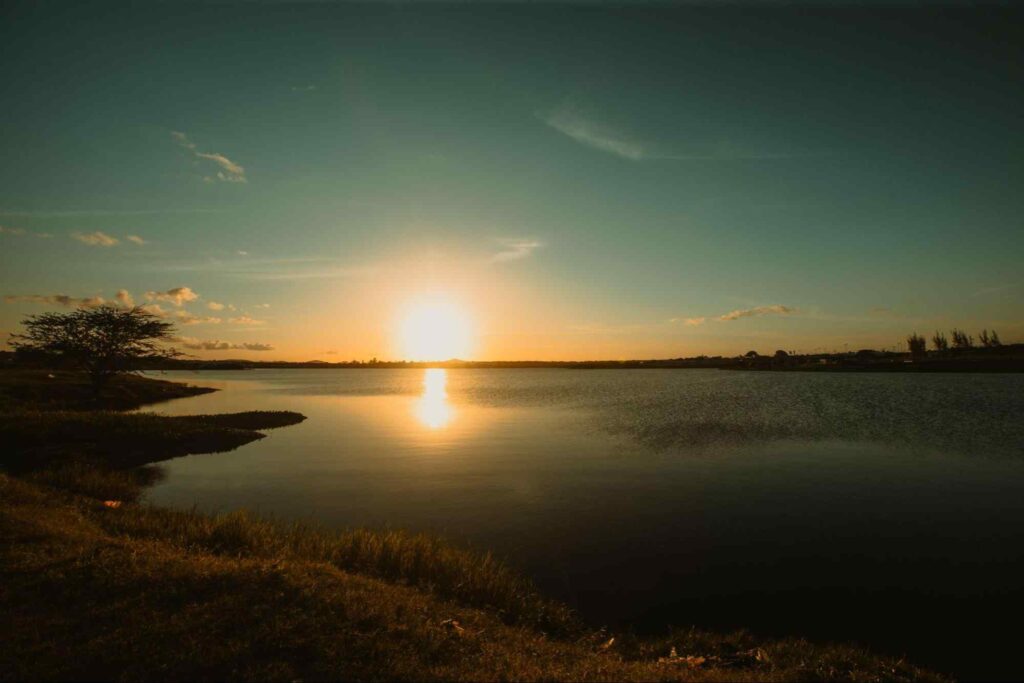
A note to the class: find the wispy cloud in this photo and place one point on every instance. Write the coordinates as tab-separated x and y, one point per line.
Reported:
777	309
230	172
124	297
177	295
56	300
135	239
215	306
588	132
278	269
996	289
217	345
103	212
515	249
95	239
155	309
246	320
186	318
20	232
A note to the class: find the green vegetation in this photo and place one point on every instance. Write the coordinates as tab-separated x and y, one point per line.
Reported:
97	585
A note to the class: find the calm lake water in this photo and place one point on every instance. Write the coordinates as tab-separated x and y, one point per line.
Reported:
881	508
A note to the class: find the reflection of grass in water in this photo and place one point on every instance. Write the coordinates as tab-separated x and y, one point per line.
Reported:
36	439
140	593
67	390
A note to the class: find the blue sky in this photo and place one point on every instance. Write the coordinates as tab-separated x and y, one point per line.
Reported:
584	180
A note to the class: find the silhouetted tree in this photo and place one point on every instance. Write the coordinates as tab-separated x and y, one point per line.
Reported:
916	343
103	341
751	354
961	340
940	342
989	339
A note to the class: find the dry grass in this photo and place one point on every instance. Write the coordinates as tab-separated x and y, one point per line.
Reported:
136	593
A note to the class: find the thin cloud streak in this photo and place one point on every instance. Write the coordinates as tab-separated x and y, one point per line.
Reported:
515	250
230	172
757	311
592	134
95	239
104	212
194	344
777	309
56	300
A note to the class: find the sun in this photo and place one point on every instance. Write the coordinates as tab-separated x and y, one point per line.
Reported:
434	328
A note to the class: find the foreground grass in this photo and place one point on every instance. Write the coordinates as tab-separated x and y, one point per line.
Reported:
138	593
29	389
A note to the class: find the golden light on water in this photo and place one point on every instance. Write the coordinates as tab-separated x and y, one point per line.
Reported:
435	328
432	408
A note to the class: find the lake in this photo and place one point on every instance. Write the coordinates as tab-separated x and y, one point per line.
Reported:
886	509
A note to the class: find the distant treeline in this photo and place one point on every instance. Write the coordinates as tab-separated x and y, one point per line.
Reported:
963	355
962	342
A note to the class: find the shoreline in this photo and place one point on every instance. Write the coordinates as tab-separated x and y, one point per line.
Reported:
355	604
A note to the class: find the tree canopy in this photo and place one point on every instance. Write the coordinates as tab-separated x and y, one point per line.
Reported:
103	341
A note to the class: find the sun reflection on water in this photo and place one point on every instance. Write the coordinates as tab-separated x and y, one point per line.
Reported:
432	407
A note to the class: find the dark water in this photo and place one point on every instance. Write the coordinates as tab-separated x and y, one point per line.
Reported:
879	508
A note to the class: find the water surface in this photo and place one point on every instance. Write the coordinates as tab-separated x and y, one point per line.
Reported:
882	508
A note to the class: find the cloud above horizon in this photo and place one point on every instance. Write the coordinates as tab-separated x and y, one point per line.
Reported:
7	230
56	299
217	345
230	172
515	249
95	239
776	309
177	296
135	239
585	131
245	320
186	318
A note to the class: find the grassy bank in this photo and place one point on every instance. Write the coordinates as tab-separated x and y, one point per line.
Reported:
96	585
137	593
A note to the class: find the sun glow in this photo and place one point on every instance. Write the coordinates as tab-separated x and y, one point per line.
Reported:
435	329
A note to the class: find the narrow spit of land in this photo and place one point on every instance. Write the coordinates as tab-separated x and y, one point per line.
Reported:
97	585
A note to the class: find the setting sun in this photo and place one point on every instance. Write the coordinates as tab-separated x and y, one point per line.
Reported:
434	329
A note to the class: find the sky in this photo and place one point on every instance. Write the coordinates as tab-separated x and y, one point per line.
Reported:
579	181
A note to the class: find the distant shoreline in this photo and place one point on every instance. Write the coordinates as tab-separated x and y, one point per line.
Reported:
891	362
